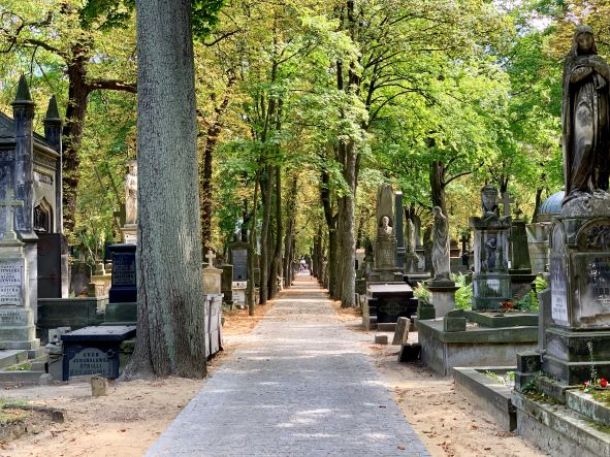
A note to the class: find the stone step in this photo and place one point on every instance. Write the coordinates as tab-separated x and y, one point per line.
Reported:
12	357
20	378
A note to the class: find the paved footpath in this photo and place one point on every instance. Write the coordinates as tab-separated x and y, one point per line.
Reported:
301	386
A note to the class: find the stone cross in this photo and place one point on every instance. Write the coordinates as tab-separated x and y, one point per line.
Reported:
210	256
10	204
506	201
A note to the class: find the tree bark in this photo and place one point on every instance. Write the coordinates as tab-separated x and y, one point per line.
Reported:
266	191
346	239
250	288
290	229
331	223
276	266
171	333
437	185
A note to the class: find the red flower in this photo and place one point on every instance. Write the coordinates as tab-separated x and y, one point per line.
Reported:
603	382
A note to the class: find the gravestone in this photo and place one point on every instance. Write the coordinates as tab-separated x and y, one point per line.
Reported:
491	281
520	266
227	283
123	294
17	330
53	281
95	351
239	260
400	236
212	277
130	228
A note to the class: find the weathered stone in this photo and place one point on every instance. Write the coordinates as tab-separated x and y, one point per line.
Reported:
401	335
381	339
99	386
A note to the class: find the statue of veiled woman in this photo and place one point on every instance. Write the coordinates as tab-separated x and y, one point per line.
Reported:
585	119
440	247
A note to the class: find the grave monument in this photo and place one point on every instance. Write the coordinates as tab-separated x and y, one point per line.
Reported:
576	338
388	296
130	229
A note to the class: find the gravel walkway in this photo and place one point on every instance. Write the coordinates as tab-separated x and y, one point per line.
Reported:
301	386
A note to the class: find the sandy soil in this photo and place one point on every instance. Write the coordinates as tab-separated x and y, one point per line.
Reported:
447	423
126	421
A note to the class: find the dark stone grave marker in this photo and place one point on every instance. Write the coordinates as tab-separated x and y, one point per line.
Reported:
94	351
124	287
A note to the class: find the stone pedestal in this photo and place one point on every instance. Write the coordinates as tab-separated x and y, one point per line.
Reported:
17	329
130	233
443	299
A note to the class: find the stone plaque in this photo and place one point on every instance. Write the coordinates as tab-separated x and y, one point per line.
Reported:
11	282
559	290
90	361
13	317
593	283
123	269
239	258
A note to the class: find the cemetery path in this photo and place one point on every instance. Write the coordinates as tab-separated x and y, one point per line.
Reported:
300	386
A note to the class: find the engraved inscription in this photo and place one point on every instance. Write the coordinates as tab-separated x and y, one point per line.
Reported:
11	282
91	361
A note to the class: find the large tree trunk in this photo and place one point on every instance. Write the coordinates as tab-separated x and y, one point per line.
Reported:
76	113
266	191
437	185
290	230
346	239
276	270
171	336
331	223
251	288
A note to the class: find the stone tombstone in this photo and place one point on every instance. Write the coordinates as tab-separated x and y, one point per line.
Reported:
491	281
399	231
212	277
385	243
578	336
412	264
124	285
238	253
94	351
227	283
440	249
53	282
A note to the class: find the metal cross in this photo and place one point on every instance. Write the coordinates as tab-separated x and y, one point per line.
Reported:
10	204
210	256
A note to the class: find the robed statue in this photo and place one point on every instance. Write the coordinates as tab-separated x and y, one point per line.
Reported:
585	119
440	246
131	194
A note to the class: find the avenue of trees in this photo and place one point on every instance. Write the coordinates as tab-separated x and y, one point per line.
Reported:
286	116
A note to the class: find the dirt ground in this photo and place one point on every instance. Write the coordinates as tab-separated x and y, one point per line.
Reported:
447	423
130	418
126	421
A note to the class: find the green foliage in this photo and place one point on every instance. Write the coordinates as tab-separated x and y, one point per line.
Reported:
422	294
463	296
205	16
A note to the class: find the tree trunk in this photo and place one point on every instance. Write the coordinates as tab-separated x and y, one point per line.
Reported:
171	333
276	267
250	288
290	229
266	190
76	113
437	185
331	223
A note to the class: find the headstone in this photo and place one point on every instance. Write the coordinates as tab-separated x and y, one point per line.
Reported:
385	243
80	278
94	351
124	285
227	283
239	259
17	330
491	281
399	230
212	277
52	254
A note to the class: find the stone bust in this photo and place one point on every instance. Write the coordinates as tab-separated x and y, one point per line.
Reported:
385	229
131	194
585	119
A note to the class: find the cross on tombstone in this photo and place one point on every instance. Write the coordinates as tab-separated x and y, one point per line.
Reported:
210	256
506	201
10	204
